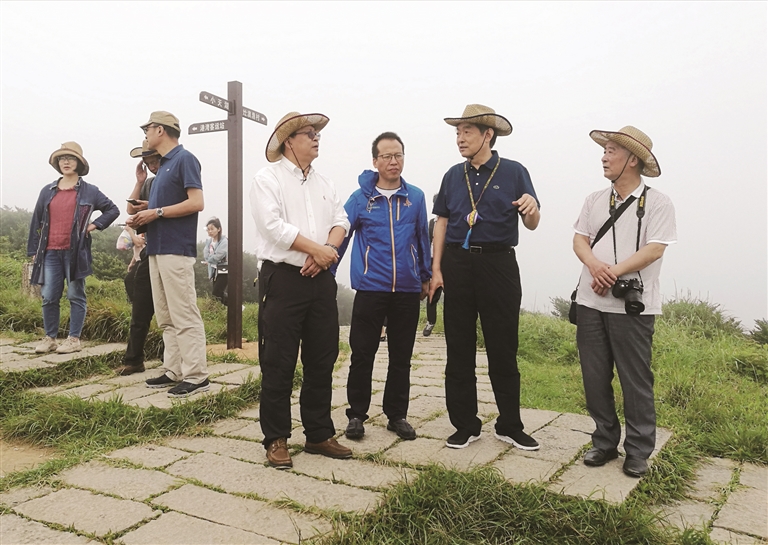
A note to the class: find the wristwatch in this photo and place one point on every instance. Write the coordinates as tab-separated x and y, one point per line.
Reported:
159	212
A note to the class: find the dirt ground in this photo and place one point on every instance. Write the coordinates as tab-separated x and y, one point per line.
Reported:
248	351
17	456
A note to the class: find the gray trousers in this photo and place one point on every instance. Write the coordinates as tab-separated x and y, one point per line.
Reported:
605	339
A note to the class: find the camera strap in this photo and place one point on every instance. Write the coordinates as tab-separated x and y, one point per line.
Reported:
615	216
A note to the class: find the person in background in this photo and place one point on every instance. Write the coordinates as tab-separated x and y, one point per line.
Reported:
60	243
432	301
142	306
215	256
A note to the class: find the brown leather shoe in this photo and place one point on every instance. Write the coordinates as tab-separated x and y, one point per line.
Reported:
126	370
277	454
329	447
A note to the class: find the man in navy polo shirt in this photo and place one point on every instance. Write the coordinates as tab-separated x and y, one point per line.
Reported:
474	256
175	200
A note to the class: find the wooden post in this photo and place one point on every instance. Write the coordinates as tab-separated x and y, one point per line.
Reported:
235	215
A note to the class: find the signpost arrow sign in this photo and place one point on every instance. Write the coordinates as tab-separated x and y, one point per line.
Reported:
253	115
213	100
210	126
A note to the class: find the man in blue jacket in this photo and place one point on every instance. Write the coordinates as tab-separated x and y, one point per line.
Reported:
390	270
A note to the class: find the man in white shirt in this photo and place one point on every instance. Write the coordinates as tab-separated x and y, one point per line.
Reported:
618	295
300	223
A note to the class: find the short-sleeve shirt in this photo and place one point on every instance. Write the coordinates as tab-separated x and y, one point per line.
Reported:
179	171
498	222
658	225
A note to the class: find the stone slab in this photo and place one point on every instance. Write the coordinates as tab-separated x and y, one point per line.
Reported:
522	469
376	439
754	476
251	412
19	365
239	377
225	446
150	455
95	513
356	473
429	371
577	422
439	428
711	477
173	528
424	451
251	431
607	482
246	514
426	408
229	425
427	381
86	391
688	514
745	512
127	393
20	495
535	419
162	401
17	530
432	391
218	369
136	378
243	477
132	484
557	444
339	397
726	537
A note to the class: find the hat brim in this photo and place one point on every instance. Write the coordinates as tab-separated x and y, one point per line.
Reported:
651	166
290	126
139	152
59	152
499	123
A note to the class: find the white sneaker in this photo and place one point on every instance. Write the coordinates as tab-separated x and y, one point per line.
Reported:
48	344
70	345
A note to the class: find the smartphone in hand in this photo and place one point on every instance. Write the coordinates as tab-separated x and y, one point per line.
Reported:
134	202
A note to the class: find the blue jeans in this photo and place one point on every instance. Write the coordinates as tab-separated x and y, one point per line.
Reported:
56	269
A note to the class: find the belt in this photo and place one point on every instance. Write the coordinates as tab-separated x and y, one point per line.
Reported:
480	248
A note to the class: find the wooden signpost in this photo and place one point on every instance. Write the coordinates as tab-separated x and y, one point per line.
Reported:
233	105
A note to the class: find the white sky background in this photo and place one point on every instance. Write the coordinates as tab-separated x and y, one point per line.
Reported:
692	75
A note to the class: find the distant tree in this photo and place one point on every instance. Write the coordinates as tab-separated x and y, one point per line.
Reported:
14	230
760	332
561	307
345	298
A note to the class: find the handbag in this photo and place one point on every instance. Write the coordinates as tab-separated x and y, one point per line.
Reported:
573	310
124	240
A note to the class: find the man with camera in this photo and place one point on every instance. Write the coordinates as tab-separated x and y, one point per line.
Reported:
618	295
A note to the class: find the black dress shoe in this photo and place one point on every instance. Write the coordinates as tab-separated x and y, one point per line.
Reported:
599	457
402	428
355	429
635	466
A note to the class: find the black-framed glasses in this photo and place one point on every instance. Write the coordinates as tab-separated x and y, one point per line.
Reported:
311	134
150	127
65	158
387	157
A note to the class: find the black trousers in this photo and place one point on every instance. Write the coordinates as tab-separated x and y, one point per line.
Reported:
142	310
219	289
296	310
370	310
432	306
487	285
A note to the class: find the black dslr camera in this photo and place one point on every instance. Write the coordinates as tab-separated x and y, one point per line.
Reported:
632	292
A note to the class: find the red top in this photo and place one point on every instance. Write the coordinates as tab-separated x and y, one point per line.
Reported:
62	213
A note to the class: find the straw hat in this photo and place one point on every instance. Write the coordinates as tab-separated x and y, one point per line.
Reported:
636	141
289	124
482	115
69	148
143	151
163	118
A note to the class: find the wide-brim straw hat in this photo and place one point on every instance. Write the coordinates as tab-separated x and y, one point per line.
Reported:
482	115
634	140
289	124
69	148
143	150
163	118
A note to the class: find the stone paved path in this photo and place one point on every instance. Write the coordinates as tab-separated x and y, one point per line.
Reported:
218	489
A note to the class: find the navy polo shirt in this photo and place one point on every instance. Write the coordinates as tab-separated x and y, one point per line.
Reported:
179	171
498	223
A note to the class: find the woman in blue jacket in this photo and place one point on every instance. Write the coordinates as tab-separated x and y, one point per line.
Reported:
60	243
215	256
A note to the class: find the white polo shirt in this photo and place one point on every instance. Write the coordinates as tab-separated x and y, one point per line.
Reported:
658	225
285	205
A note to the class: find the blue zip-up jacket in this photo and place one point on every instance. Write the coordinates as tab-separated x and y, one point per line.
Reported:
89	198
391	251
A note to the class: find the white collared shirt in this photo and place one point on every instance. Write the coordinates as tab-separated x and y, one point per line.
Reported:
283	206
658	225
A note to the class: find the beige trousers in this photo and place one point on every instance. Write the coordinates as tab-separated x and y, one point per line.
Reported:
173	292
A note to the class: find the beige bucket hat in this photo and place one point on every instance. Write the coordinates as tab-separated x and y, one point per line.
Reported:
163	118
482	115
143	150
289	124
69	148
636	141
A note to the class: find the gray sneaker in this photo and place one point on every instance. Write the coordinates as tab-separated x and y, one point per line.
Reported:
48	344
71	344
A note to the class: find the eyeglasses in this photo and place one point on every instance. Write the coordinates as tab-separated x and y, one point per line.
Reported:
311	134
150	127
65	158
387	157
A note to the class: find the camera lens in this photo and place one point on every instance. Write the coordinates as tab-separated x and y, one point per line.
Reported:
633	302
